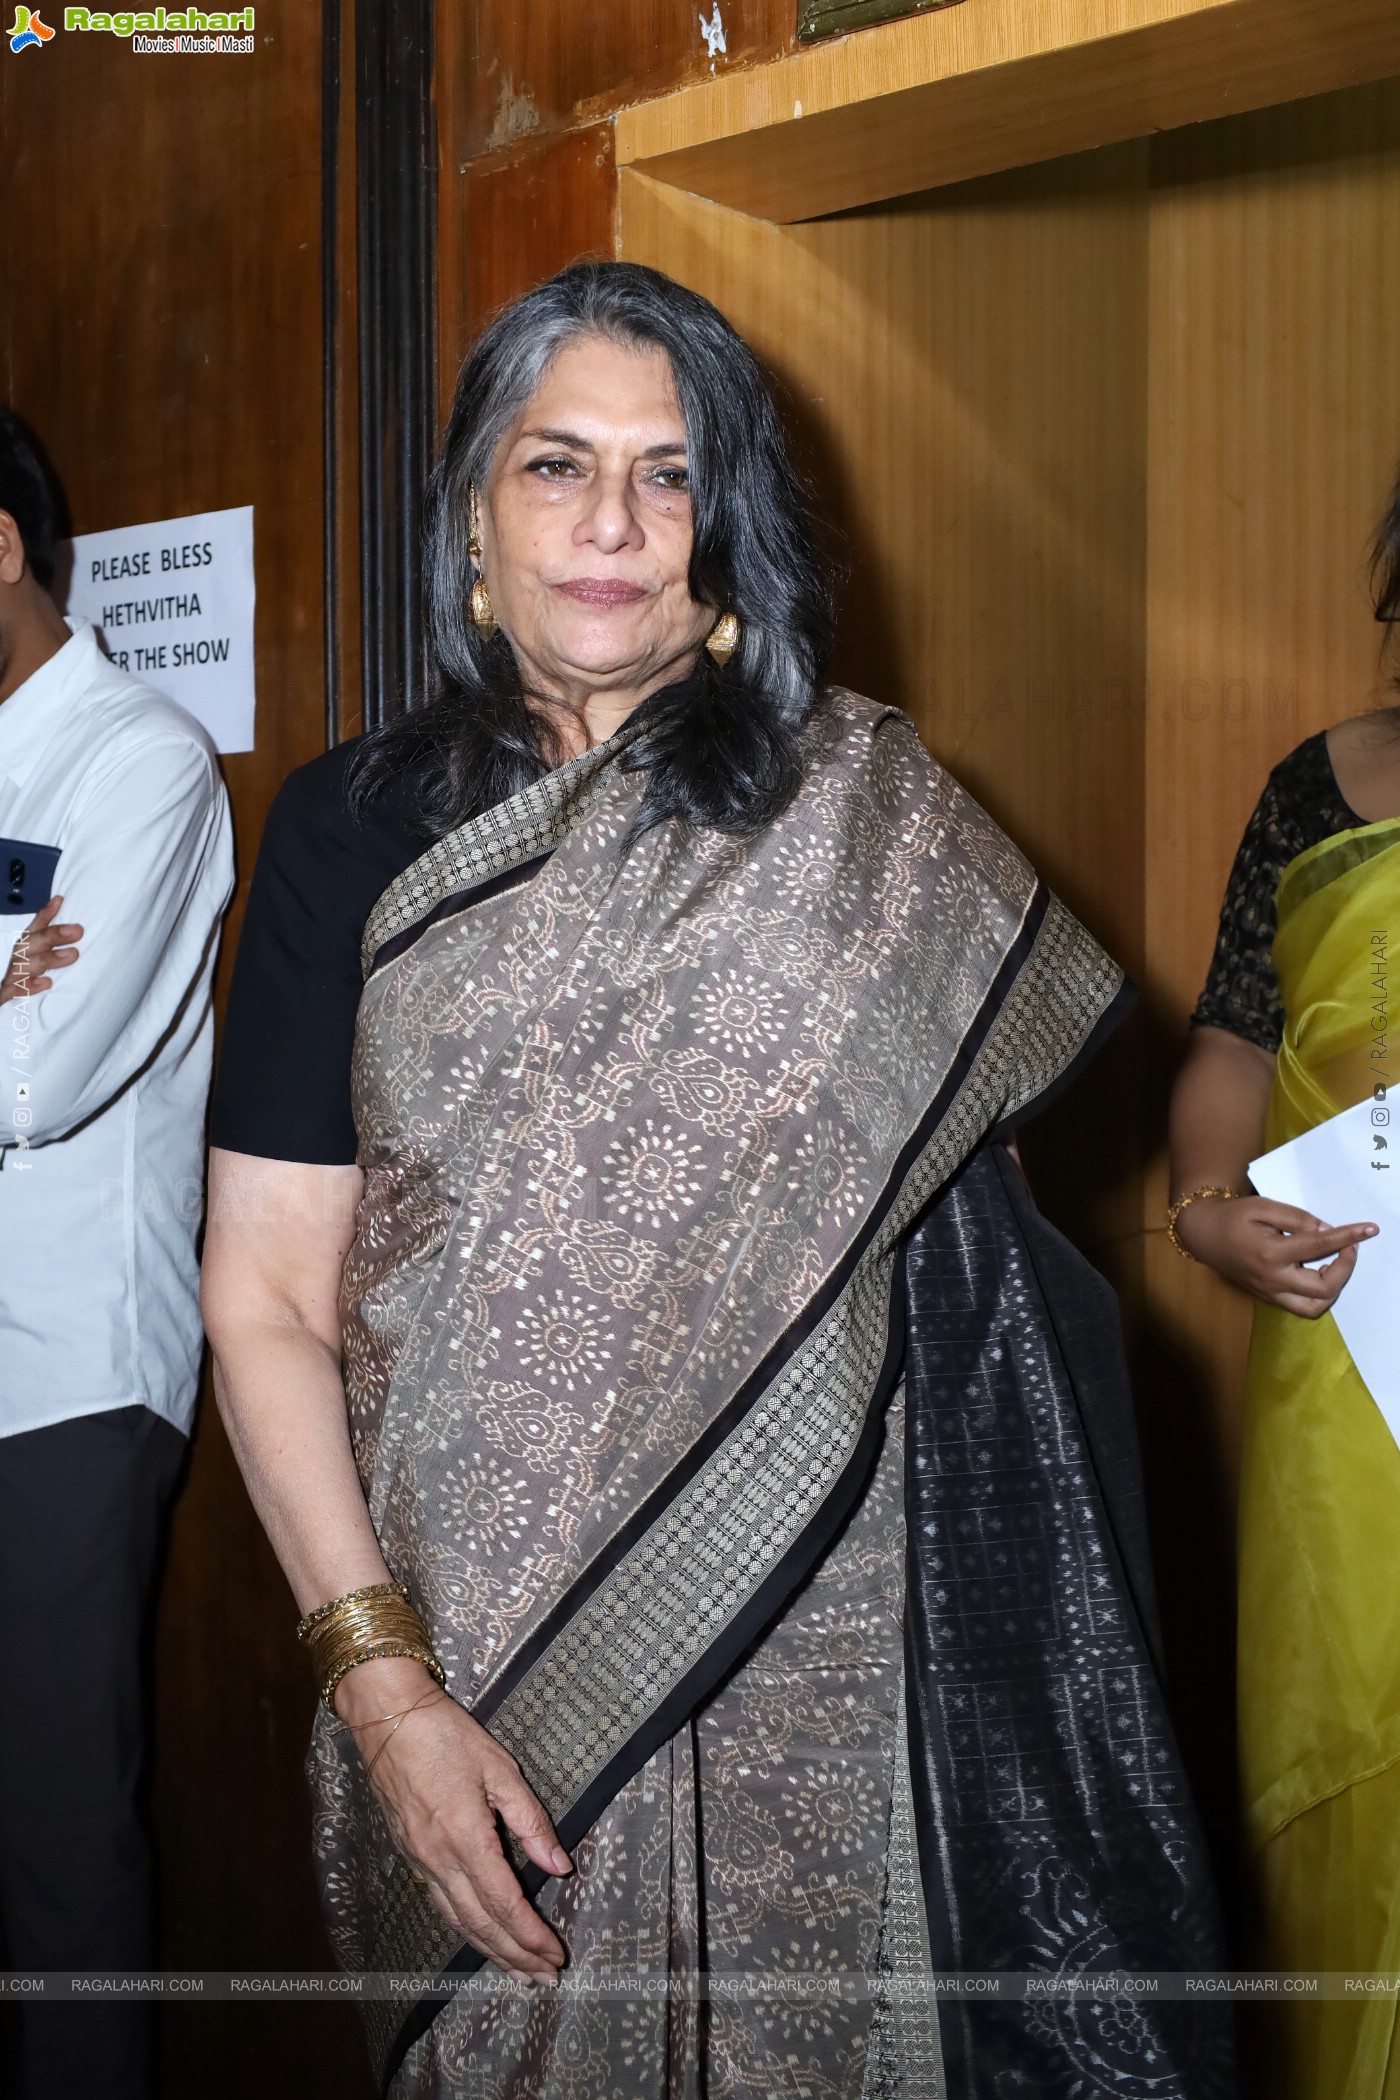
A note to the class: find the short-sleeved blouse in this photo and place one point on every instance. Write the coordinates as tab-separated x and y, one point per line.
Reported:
282	1083
1301	805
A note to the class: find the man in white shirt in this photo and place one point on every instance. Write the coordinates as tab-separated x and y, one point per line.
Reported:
105	1050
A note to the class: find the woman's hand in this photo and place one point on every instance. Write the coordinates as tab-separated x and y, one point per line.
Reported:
1262	1247
274	1250
41	947
442	1781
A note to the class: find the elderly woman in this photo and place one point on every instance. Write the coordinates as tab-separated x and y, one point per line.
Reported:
590	1347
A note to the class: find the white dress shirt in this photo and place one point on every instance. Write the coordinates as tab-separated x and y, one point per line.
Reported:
104	1077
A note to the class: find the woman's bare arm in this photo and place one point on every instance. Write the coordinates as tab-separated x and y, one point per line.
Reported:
275	1246
276	1242
1219	1103
1218	1110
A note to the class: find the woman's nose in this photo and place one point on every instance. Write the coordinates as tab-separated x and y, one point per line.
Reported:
612	523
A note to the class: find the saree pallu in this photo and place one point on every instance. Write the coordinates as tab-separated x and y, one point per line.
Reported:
819	1664
1319	1628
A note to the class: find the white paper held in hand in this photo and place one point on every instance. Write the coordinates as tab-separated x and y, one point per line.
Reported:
1347	1172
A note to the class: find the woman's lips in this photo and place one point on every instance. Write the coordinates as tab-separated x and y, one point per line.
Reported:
602	591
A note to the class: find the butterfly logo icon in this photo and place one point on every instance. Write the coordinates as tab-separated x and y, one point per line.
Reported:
27	29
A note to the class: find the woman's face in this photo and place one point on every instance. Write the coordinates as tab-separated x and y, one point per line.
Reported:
586	529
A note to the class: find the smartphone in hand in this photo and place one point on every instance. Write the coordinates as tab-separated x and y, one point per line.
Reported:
26	875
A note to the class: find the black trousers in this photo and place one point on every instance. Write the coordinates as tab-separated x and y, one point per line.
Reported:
82	1516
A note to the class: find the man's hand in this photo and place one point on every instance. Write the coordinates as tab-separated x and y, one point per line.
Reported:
43	946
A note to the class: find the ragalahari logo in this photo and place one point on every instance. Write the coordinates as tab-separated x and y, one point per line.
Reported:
27	30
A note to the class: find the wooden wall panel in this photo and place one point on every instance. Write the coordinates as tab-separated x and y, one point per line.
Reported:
526	98
525	214
162	328
964	91
556	64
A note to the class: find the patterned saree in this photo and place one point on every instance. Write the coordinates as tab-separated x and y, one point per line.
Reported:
780	1521
1319	1638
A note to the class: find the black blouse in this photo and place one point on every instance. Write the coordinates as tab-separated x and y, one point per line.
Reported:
1300	806
282	1088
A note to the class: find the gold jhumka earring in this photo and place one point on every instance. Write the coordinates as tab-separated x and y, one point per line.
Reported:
482	611
724	638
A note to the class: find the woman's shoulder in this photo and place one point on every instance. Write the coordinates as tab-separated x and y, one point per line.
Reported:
1375	725
320	788
876	762
1361	739
1302	801
851	714
1364	758
314	816
849	729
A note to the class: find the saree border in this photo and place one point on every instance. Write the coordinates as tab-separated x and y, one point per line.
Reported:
1341	854
1107	1024
1047	999
526	827
453	904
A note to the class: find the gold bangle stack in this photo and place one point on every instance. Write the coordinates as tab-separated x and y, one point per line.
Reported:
365	1625
1174	1211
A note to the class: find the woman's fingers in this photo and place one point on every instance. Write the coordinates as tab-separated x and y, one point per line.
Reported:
1294	1247
1310	1292
443	1780
456	1902
1316	1289
523	1814
493	1888
486	1901
510	1944
1265	1246
1284	1217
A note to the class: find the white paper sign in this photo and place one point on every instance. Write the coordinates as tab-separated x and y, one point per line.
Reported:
173	604
1347	1172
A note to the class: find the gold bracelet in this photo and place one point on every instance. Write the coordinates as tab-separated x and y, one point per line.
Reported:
362	1632
1174	1211
382	1652
398	1721
371	1589
365	1625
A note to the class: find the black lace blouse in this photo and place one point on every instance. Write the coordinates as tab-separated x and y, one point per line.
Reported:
1301	805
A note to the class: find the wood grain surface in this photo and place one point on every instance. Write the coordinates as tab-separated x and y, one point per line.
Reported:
522	214
554	65
977	88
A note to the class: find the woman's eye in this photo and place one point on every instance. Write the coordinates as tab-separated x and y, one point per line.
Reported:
675	480
552	469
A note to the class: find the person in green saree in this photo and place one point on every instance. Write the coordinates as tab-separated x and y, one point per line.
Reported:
720	1562
1295	1025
